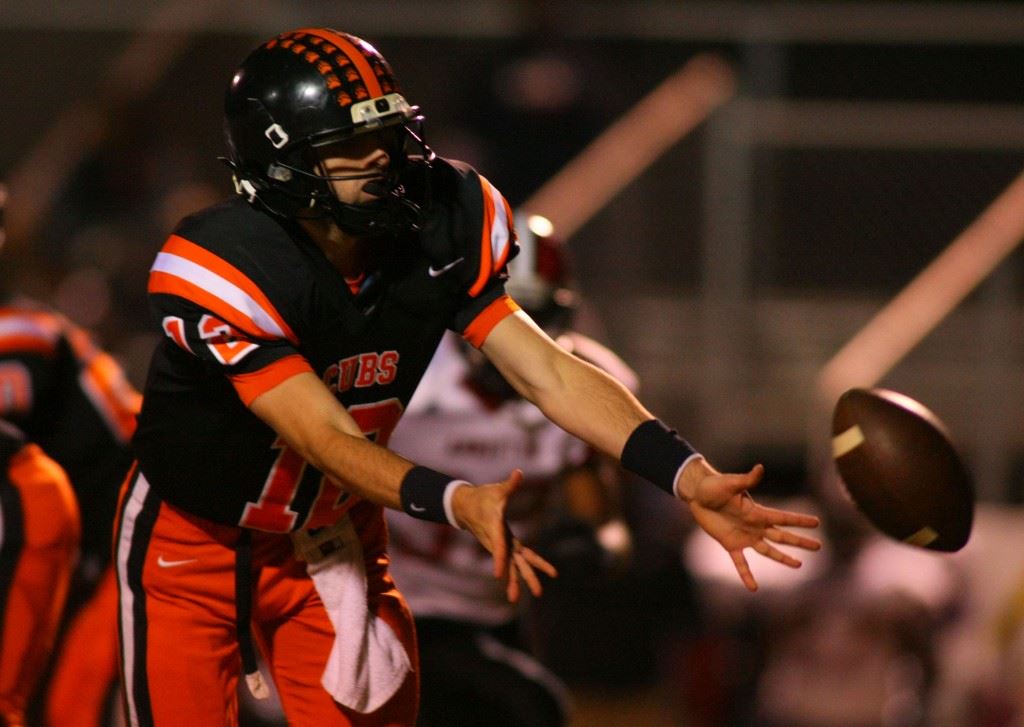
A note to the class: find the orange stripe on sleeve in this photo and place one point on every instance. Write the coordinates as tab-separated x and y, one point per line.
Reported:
119	400
28	331
486	263
47	321
173	285
251	385
104	383
355	55
82	345
27	344
477	331
181	247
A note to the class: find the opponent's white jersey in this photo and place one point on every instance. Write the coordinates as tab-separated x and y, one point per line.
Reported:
445	572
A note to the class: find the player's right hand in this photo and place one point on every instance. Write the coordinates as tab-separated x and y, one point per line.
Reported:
481	510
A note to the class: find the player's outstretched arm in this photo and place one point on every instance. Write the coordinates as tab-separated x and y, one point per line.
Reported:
588	403
315	424
318	427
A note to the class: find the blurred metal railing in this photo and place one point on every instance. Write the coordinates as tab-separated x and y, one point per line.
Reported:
751	391
731	20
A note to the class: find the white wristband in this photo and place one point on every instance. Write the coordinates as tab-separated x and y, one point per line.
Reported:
449	493
679	473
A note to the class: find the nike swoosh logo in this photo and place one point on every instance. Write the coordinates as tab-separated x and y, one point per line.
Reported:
172	563
434	272
416	508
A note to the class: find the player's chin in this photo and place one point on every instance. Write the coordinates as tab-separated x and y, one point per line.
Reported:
371	191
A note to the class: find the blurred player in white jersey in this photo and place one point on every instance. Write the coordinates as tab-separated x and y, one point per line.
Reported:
466	419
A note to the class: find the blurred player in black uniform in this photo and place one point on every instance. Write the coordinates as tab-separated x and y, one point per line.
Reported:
299	318
71	399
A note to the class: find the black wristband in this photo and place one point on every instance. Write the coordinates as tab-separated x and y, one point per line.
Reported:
656	453
426	495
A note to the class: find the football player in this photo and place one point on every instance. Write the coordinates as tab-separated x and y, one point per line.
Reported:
299	317
72	399
467	419
39	531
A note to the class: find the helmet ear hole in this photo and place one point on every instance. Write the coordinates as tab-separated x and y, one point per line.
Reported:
278	136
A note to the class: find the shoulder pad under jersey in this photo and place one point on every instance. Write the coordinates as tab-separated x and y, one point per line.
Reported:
236	263
469	221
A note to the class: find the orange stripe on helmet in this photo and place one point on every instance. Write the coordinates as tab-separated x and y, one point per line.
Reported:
354	53
181	247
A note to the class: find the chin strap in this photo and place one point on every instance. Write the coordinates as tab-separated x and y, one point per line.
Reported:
392	214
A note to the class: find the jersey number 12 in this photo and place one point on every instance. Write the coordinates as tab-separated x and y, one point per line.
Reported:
274	512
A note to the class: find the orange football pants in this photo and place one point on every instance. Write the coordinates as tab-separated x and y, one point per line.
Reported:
38	549
86	664
180	654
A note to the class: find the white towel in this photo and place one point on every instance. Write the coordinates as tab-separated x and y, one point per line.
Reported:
367	663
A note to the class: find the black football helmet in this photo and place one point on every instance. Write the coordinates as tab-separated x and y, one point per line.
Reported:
306	89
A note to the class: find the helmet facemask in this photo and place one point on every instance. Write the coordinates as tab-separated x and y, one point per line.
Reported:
296	184
306	90
393	211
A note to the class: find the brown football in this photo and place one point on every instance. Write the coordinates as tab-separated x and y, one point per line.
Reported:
901	469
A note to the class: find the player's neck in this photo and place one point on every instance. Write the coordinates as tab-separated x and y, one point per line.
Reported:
345	252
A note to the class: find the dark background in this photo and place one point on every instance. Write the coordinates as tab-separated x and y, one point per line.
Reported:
727	274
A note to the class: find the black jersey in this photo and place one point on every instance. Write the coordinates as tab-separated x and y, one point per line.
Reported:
247	300
73	400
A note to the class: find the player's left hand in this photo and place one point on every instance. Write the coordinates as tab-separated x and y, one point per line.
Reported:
481	510
723	507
